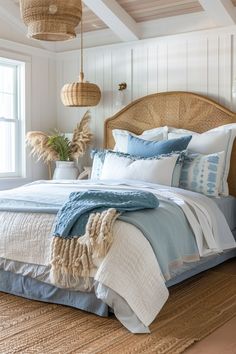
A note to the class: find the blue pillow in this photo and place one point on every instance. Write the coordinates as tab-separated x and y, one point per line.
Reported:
146	148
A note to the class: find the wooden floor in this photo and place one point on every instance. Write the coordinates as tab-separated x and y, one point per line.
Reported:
223	340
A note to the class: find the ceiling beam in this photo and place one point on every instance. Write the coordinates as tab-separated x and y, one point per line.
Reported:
222	12
115	17
171	26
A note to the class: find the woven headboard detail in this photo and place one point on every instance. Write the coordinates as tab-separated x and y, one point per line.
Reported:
177	109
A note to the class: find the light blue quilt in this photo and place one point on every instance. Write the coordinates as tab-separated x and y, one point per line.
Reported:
165	227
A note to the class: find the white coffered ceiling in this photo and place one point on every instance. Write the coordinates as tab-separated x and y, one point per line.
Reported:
114	21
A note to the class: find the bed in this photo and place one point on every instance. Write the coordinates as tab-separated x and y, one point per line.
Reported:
28	216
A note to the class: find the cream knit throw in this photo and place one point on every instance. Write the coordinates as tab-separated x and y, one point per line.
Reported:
73	258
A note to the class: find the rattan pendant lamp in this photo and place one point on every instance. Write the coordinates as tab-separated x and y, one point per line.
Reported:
81	93
51	20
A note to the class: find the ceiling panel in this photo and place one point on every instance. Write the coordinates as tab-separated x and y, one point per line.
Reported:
153	9
90	21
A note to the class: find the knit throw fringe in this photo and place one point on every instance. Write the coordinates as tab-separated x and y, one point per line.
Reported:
73	258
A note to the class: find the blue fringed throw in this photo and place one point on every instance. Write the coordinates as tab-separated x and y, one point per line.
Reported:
73	216
83	231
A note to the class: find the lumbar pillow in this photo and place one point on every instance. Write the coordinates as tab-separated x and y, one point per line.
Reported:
146	148
212	141
158	170
203	173
121	137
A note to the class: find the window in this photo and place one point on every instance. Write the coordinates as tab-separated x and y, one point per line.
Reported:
11	117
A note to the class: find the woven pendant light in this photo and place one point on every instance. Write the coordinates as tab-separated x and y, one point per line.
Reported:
80	94
51	20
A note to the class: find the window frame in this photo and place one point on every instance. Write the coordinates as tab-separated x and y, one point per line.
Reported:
19	116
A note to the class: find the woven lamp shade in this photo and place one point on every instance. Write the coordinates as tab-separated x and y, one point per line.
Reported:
51	20
80	94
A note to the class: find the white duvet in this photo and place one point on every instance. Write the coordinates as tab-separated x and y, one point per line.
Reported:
130	268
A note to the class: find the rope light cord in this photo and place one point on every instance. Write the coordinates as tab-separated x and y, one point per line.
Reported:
80	93
81	75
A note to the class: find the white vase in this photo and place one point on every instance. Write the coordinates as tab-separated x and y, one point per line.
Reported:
65	170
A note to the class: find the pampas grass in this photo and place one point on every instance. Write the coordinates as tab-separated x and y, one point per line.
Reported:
57	147
81	137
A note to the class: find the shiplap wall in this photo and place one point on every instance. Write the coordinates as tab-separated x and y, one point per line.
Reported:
201	63
43	103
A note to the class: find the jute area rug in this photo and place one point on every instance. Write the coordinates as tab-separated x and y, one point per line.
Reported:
195	309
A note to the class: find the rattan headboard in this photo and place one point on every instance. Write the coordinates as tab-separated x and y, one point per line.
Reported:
177	109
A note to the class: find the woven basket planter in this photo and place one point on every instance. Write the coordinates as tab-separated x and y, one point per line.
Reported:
51	20
80	94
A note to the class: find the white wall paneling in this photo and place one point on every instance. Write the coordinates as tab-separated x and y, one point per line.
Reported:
213	67
225	70
140	71
200	63
177	66
43	102
152	67
197	65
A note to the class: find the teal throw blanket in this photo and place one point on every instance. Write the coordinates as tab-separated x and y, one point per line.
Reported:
73	216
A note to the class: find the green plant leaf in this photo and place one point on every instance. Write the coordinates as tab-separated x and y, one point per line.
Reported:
61	145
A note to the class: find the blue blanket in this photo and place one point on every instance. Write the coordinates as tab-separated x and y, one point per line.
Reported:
73	216
165	227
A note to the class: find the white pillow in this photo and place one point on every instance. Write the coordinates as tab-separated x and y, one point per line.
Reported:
232	128
154	170
212	141
203	173
121	137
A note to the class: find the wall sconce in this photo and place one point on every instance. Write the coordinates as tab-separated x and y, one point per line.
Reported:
122	86
120	97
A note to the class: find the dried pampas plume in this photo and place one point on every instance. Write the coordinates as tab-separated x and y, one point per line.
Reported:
81	137
58	147
40	148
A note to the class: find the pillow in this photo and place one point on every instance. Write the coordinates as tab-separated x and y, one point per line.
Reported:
98	157
212	141
203	173
232	129
158	170
146	148
121	137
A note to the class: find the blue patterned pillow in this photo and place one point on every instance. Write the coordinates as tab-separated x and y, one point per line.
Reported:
145	148
203	173
98	157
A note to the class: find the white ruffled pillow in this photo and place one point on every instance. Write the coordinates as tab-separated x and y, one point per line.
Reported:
212	141
159	170
121	137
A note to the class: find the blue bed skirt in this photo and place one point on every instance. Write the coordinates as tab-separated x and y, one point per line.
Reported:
30	288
